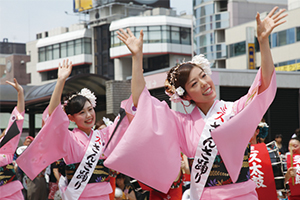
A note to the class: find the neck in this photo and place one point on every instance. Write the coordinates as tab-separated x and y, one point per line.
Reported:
87	131
204	107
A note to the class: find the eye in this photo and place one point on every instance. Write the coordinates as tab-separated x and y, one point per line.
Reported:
194	83
203	75
90	109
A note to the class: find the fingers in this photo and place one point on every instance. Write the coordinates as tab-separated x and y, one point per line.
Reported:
278	13
272	11
258	21
141	35
130	33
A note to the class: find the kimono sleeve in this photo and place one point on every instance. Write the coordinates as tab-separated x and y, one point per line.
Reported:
149	150
10	147
233	137
48	146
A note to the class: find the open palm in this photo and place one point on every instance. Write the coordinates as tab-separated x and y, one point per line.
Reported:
135	45
65	69
265	27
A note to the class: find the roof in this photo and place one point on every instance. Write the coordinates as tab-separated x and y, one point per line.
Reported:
37	97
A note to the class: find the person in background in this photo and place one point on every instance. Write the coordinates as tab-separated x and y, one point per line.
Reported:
123	182
292	177
282	148
10	186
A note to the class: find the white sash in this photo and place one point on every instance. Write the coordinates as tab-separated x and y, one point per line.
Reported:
84	171
206	149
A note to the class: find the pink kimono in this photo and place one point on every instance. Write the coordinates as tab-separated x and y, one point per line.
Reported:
55	141
150	148
11	190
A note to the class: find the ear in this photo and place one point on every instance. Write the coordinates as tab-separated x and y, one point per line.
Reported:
256	132
71	118
187	97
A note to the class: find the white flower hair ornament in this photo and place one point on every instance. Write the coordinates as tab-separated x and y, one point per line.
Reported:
86	93
107	121
201	61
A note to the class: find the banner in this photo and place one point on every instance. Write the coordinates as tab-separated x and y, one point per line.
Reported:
261	172
295	189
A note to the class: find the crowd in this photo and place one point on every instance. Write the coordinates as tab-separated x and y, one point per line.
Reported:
156	147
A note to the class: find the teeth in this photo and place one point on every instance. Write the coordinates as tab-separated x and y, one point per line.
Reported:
207	91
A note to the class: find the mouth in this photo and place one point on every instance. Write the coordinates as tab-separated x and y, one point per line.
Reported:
89	121
207	91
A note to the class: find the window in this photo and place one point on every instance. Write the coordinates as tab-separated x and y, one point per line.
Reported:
78	47
290	36
185	36
175	36
49	53
87	46
274	40
166	34
70	48
154	34
63	50
298	33
237	49
42	54
56	51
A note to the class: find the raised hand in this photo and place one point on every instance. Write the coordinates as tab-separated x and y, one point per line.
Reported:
64	70
134	45
16	85
19	88
265	27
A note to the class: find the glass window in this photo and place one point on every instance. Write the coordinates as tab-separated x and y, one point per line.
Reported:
298	33
78	46
291	36
154	34
42	54
175	35
145	31
274	40
240	48
185	36
49	53
56	51
166	34
63	50
70	48
282	38
87	46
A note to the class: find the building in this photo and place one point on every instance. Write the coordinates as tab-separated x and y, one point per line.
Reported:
13	61
53	46
213	17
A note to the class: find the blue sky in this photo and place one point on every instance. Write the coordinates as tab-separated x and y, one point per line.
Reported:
20	20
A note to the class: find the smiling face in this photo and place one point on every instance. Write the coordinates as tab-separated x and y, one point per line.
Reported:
294	145
84	119
201	89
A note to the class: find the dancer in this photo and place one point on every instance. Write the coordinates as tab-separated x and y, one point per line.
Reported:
82	148
206	134
10	186
293	164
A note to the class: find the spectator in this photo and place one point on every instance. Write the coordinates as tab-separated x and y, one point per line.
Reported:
282	148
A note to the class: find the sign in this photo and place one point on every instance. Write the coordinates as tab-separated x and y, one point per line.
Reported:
251	56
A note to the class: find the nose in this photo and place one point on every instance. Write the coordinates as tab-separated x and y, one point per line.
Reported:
202	82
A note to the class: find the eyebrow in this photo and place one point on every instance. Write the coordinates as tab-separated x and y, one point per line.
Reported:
195	78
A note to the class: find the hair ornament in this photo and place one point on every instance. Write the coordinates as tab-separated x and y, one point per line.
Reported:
86	93
201	61
107	121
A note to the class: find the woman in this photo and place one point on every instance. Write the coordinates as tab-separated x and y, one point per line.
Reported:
293	173
123	182
163	133
82	148
10	186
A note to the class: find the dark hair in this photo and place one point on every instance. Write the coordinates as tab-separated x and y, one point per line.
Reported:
75	104
278	136
178	76
101	122
297	132
123	176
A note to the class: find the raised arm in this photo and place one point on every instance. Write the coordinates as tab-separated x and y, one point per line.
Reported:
136	47
264	29
21	103
63	73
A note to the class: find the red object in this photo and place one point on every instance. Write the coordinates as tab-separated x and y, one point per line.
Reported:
295	189
261	172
